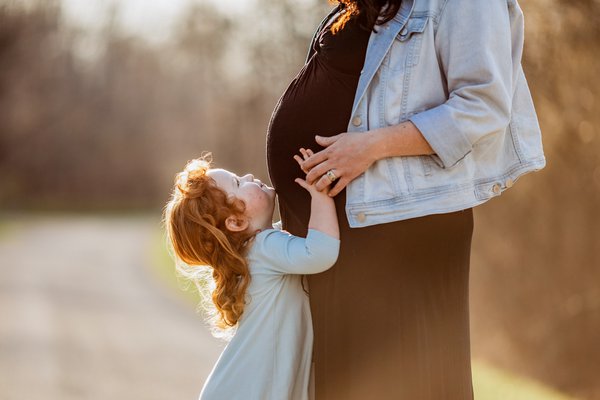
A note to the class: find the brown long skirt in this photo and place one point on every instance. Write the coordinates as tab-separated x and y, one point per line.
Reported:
391	317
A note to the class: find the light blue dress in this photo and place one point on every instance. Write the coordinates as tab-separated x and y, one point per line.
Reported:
269	357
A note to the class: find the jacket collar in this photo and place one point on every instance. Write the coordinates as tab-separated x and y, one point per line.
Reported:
378	46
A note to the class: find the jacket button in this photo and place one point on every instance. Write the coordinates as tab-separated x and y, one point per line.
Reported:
361	217
496	189
404	31
356	121
509	182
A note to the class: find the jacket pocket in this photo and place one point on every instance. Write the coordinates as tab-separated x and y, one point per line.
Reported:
427	164
406	48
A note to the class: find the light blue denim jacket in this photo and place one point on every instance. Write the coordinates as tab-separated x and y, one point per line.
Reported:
453	68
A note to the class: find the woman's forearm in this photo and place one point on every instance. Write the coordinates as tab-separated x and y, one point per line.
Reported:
403	139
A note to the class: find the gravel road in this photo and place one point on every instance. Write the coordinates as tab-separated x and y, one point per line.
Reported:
82	316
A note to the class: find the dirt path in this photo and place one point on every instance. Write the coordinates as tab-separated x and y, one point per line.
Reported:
83	317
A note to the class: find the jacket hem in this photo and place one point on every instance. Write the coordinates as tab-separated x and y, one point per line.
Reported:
436	200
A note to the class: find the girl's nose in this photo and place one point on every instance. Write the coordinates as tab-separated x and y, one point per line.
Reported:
248	177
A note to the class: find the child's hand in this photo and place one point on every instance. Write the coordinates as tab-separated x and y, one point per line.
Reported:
323	217
312	189
306	153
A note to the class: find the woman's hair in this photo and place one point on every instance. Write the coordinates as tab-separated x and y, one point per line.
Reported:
194	220
370	11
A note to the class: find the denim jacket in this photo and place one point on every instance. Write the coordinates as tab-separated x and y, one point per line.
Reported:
453	68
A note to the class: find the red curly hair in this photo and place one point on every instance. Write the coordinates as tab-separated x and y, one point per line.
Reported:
372	11
194	219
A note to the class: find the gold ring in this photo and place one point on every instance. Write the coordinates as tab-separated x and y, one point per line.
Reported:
331	176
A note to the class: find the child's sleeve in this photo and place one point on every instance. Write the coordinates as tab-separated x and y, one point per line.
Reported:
289	254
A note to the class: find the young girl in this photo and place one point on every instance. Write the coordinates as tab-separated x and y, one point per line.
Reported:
219	219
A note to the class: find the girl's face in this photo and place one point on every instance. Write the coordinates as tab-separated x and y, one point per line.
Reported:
258	197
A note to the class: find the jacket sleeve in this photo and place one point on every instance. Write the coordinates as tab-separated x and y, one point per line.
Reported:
473	43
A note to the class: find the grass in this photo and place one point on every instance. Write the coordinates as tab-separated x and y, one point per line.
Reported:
489	383
4	228
7	225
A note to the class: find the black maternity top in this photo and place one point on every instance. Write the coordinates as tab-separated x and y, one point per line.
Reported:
318	101
391	316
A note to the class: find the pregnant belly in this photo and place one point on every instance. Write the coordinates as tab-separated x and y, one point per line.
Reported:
318	101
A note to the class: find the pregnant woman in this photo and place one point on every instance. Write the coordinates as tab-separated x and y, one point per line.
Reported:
421	112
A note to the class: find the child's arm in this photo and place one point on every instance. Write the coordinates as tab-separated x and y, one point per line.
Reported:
285	253
323	217
317	252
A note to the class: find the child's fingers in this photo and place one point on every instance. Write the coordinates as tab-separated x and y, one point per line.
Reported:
310	152
300	162
302	183
304	153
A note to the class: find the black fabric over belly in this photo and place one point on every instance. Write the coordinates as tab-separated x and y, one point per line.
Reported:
317	101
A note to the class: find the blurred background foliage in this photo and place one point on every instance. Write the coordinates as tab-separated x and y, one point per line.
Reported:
103	122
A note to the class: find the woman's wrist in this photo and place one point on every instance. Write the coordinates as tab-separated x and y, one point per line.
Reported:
377	147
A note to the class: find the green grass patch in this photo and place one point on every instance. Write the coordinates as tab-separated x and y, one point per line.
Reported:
4	228
8	225
491	383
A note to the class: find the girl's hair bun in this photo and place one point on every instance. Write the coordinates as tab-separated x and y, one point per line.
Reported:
193	177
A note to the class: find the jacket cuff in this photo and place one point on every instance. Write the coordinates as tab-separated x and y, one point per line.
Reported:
443	135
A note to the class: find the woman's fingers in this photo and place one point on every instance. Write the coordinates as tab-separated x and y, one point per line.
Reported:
339	186
348	154
318	158
327	141
335	187
323	183
320	170
315	159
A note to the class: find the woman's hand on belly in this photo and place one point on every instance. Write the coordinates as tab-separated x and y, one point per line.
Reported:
348	154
